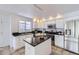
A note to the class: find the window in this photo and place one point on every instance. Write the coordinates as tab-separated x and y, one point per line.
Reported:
21	26
28	25
24	26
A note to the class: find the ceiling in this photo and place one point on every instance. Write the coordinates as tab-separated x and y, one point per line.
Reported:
39	10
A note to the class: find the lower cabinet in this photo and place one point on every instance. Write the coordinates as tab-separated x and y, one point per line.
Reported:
59	41
71	46
43	48
17	42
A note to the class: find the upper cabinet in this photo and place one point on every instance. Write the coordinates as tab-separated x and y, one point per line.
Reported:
60	23
49	23
72	27
76	29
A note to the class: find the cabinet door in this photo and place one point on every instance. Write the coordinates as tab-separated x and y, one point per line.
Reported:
59	41
19	42
5	23
59	23
48	23
1	33
72	46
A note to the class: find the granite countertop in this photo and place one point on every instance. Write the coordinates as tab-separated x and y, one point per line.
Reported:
37	40
33	32
20	34
54	33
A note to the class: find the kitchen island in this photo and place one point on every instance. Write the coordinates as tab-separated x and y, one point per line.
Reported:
38	46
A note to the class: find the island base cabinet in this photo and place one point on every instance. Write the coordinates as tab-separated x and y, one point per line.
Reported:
43	48
29	49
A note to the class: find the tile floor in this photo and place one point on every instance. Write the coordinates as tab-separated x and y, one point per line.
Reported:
55	51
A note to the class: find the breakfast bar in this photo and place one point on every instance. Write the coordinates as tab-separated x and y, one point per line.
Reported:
38	45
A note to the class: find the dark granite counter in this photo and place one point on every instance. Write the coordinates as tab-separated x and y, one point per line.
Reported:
23	33
37	40
33	32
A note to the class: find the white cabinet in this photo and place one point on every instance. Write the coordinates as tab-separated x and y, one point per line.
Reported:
71	45
17	42
43	48
4	30
59	41
1	31
48	23
60	23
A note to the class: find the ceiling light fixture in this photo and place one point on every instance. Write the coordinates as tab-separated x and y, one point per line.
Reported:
38	20
43	19
34	19
59	16
51	18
